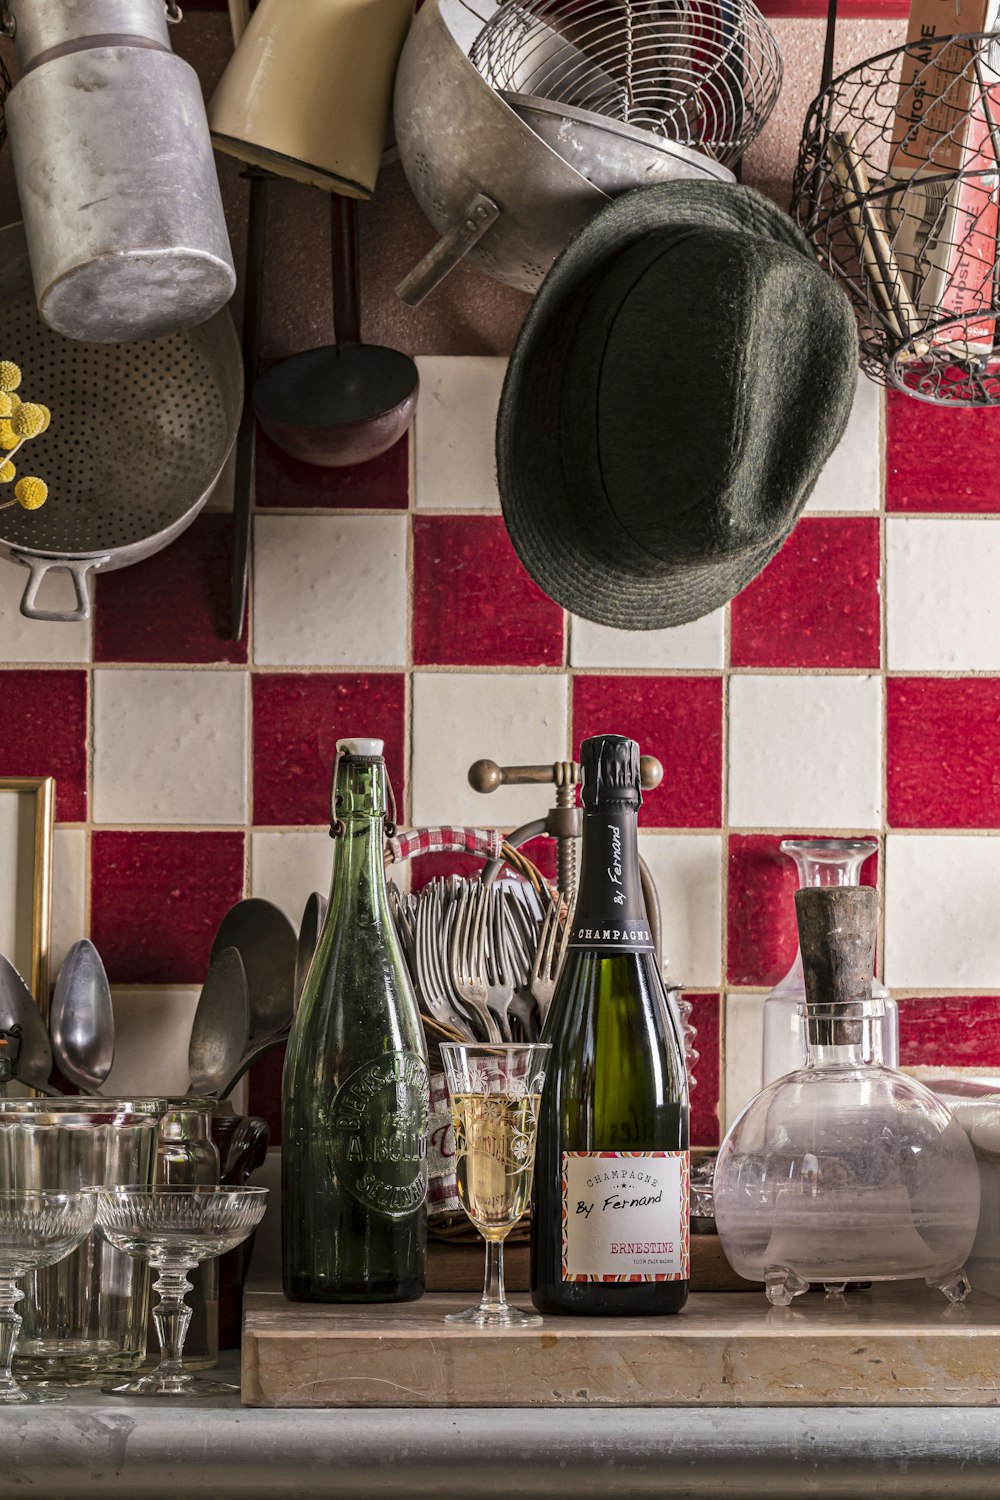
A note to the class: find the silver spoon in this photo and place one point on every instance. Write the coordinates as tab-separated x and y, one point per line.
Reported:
267	944
313	918
33	1063
221	1027
81	1022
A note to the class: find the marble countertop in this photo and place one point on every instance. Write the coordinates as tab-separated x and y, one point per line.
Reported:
106	1446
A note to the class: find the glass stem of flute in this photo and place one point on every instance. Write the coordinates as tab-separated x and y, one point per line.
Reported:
494	1296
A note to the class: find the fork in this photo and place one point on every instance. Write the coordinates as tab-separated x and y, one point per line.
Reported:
430	981
549	955
468	956
499	963
520	953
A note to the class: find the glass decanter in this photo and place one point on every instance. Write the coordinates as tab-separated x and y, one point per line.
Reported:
845	1169
820	862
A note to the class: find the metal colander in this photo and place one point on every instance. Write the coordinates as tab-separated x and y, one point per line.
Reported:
703	73
139	436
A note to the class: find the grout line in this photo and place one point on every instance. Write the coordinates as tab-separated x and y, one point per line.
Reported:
722	1108
511	669
884	660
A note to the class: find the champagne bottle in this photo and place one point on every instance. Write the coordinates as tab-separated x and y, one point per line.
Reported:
610	1224
355	1093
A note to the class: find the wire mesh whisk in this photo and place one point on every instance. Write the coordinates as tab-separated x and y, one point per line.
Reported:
704	73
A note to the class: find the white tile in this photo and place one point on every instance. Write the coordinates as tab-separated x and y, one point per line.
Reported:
152	1032
699	644
459	717
170	747
287	867
744	1047
941	594
942	895
330	591
454	431
687	869
804	752
24	640
69	885
852	476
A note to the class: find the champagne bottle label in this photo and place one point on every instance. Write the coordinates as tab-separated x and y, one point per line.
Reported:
610	915
625	1216
379	1137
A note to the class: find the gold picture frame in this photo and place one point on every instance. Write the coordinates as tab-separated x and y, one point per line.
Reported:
27	824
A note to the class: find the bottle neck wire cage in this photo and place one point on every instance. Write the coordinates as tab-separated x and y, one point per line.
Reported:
897	187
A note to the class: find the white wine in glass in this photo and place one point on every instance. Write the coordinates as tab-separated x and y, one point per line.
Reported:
495	1092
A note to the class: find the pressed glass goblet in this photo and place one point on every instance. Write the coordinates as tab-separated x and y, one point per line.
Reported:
175	1229
495	1092
37	1228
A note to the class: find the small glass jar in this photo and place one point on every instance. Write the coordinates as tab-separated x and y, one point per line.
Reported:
820	863
846	1170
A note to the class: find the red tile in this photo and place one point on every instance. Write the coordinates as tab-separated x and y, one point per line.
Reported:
954	1031
157	899
473	602
707	1073
942	738
762	935
283	483
43	732
816	604
298	719
174	607
677	719
941	459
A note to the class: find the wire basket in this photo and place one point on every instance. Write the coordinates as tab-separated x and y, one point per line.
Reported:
704	73
897	187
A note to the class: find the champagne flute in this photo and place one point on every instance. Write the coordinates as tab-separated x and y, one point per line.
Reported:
494	1108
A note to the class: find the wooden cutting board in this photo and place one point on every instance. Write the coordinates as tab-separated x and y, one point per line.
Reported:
899	1346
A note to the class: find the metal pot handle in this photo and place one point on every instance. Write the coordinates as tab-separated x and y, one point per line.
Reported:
441	259
78	568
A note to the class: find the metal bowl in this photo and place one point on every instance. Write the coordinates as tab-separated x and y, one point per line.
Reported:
139	435
613	156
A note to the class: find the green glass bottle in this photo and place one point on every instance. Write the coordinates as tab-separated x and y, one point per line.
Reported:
355	1094
610	1218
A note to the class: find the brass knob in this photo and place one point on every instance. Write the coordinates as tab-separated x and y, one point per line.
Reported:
650	772
485	776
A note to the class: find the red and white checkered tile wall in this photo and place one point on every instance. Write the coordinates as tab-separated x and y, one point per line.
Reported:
852	688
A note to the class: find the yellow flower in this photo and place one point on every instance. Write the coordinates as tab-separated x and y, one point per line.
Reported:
10	375
29	420
7	471
8	437
15	401
31	492
46	416
6	404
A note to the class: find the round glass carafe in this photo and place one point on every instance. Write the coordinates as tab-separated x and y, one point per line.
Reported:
820	862
846	1170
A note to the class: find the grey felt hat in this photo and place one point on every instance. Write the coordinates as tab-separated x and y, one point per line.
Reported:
681	377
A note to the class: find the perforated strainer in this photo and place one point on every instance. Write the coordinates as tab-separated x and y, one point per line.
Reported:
139	435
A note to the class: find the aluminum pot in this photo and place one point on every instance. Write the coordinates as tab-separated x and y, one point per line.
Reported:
115	173
139	436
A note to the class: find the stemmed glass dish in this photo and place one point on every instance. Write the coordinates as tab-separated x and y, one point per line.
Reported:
175	1229
494	1092
37	1229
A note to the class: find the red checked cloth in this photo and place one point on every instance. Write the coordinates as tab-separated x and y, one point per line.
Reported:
487	842
442	1192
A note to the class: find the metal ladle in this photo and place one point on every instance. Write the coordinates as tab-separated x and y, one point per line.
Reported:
266	942
81	1022
313	917
347	402
20	1016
